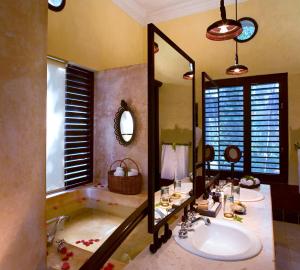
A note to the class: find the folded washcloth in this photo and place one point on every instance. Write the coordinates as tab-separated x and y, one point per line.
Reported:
119	173
131	173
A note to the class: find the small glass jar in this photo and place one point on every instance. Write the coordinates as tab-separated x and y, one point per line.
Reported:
164	196
228	206
177	189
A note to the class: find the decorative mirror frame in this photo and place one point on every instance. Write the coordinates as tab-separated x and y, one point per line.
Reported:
59	8
209	153
227	156
153	152
255	29
124	107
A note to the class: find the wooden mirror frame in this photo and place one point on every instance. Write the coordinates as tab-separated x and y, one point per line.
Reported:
153	131
227	156
211	154
124	107
59	8
255	29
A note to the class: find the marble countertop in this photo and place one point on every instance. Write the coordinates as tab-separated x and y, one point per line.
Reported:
172	257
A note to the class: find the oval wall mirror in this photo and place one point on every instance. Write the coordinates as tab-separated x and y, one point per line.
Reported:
232	154
250	28
124	124
209	153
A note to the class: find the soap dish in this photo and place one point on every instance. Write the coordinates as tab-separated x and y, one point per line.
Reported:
212	212
250	187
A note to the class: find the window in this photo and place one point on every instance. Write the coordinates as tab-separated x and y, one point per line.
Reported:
69	126
250	112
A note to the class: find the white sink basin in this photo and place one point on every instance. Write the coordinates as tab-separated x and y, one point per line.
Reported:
221	240
250	195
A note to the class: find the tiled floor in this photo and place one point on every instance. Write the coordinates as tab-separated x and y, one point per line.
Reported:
287	245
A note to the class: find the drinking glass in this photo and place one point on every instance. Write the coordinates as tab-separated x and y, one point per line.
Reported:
164	196
177	188
228	206
236	193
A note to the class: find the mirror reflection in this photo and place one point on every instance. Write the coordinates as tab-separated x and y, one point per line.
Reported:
126	125
175	129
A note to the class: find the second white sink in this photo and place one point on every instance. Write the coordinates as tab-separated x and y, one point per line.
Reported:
250	195
221	240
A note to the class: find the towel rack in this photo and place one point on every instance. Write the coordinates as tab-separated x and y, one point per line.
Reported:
186	144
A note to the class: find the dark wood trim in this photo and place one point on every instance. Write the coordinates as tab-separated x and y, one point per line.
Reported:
153	156
100	257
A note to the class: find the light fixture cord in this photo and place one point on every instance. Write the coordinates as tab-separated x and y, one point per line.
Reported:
236	45
223	10
236	10
236	54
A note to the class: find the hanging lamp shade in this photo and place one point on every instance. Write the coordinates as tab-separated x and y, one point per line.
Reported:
236	69
224	29
190	74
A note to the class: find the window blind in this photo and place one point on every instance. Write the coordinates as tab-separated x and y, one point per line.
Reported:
252	113
78	126
224	123
265	128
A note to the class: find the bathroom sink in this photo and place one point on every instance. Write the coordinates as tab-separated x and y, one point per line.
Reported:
247	195
221	240
250	195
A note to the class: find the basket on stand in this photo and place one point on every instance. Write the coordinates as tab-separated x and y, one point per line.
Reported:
129	185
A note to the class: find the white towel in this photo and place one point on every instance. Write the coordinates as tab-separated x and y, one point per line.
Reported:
174	163
182	162
168	162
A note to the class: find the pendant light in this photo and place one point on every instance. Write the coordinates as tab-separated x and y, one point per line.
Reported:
224	29
190	74
236	69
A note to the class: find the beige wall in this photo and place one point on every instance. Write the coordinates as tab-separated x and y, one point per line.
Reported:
22	129
96	34
274	49
111	86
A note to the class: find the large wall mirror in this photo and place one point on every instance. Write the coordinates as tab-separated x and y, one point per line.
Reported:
171	128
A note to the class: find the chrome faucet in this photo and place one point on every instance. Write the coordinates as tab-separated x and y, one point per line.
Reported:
205	219
51	234
187	226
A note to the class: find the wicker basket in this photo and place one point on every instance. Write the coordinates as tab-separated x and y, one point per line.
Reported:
128	185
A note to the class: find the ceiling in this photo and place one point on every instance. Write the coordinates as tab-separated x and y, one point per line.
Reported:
145	11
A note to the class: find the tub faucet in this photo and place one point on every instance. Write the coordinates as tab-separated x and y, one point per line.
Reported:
56	222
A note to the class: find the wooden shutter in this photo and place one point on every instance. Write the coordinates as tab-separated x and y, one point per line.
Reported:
79	126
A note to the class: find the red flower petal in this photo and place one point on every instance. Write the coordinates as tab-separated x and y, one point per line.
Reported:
65	266
65	258
63	250
70	254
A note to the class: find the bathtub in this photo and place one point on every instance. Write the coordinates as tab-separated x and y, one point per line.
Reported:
94	213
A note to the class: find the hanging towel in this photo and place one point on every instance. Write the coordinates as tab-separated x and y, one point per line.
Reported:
168	162
182	162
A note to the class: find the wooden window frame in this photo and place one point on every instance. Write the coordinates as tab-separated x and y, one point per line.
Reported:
246	82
